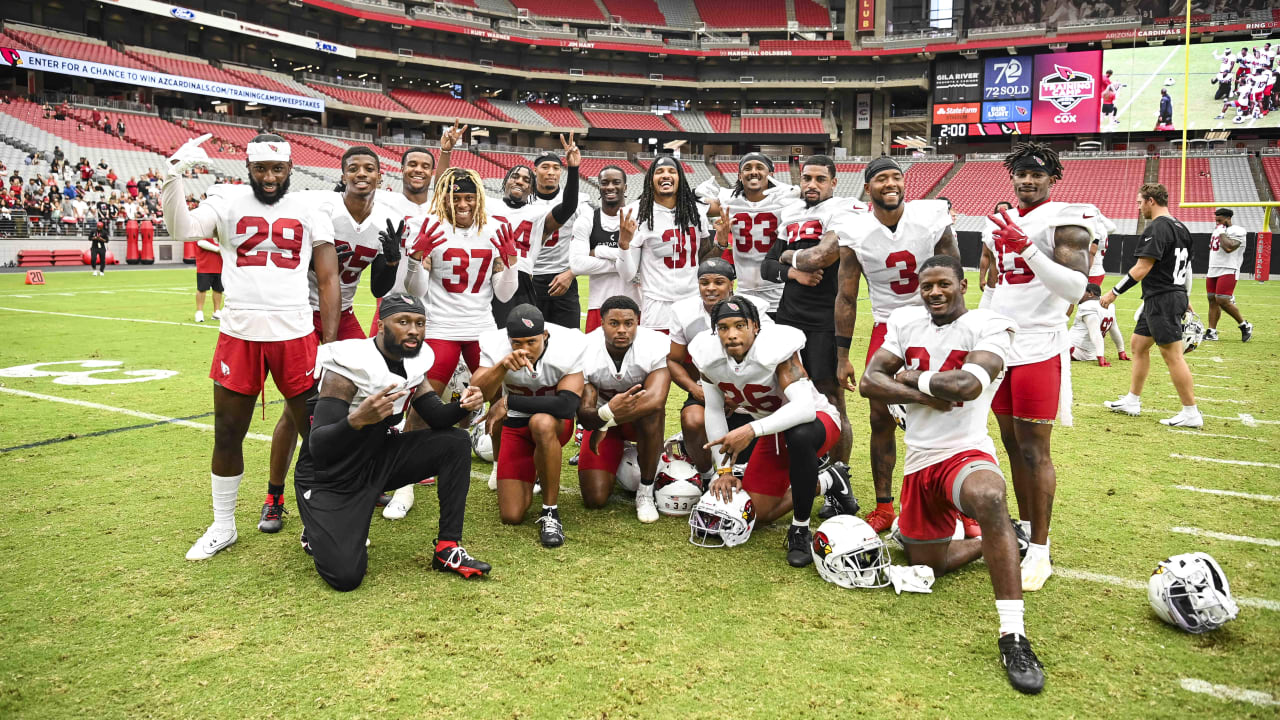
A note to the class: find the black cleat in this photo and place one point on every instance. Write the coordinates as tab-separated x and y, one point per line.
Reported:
1025	673
829	509
272	518
1024	542
574	460
302	540
552	533
1246	331
841	493
383	500
454	558
799	541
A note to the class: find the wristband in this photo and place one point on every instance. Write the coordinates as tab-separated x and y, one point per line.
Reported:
922	382
606	414
1125	283
795	255
976	370
844	342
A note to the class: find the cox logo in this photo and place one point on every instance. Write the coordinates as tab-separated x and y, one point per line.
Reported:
326	47
182	13
1064	118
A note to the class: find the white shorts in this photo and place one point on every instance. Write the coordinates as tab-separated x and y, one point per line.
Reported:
657	314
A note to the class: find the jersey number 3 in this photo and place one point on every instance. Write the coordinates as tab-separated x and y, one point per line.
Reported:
286	235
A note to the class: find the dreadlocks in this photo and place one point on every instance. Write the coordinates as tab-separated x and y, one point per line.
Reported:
458	180
1035	156
686	208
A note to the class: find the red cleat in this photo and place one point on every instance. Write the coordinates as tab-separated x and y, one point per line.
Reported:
881	518
428	481
971	527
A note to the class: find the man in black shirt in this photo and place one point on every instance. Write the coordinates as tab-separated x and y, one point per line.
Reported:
1163	265
98	249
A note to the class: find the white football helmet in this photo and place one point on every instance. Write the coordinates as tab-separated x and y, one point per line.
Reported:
899	414
674	449
1191	592
629	469
716	523
847	552
481	443
1192	332
676	488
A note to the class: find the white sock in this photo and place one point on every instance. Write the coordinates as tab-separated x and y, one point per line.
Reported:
1010	612
1035	551
824	483
550	507
1190	410
225	490
1130	397
799	523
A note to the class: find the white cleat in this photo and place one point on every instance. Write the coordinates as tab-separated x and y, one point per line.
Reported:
400	504
199	316
217	315
1185	419
493	478
1036	569
214	541
646	508
1124	405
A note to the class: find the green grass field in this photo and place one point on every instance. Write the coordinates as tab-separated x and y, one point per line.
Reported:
1144	71
101	617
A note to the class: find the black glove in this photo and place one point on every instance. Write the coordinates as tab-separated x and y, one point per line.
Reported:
391	239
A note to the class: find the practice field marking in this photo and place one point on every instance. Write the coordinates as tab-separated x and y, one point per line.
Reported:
131	288
1229	493
118	319
1197	433
1138	92
1227	692
1249	463
124	411
1094	577
1201	532
1216	400
1220	377
1213	387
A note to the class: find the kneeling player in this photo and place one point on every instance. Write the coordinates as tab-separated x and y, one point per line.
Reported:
354	454
1091	323
539	365
756	368
940	362
625	398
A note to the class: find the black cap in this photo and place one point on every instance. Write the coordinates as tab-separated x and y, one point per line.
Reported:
524	321
399	303
717	266
879	165
547	157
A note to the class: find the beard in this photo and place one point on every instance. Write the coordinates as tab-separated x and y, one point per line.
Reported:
263	197
390	345
884	205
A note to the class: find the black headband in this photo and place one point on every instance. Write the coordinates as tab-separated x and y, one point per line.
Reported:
879	165
665	160
393	304
736	306
547	157
717	266
462	183
524	321
755	156
1031	162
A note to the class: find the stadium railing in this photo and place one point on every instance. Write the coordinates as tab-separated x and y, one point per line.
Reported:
453	17
1111	23
999	31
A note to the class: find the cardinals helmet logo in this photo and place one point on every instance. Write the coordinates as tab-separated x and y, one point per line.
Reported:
821	544
748	511
11	56
527	322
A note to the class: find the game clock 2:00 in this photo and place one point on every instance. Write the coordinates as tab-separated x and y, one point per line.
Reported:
953	130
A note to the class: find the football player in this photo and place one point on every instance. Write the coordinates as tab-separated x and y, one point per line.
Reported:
886	245
354	453
1226	255
1091	323
664	235
538	366
987	275
269	238
1103	227
943	364
1042	272
759	370
625	398
553	281
594	250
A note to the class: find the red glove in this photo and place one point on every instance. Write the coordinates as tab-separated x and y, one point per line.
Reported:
1124	356
1102	361
430	237
504	241
1008	236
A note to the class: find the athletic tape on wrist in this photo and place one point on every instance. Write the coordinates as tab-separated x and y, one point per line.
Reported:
922	383
978	372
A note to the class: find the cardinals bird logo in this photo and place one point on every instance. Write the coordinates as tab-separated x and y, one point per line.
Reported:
11	56
821	544
527	322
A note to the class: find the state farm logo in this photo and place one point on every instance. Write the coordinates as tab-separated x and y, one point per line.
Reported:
1066	88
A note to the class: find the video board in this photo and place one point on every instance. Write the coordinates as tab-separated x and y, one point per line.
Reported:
1050	94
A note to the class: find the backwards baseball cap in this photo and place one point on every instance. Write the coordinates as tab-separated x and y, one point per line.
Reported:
269	151
547	157
761	157
879	165
400	303
717	266
524	321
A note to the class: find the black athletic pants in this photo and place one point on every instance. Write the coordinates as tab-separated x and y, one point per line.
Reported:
98	258
336	512
523	295
564	310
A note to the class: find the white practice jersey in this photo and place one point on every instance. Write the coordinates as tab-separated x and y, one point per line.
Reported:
553	257
752	385
1101	236
1222	262
363	364
1041	316
689	318
755	227
889	258
666	257
647	353
266	251
932	435
1091	325
562	355
359	239
834	214
460	285
405	208
603	263
528	222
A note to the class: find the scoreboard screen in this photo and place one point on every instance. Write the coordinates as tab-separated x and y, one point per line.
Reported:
1055	93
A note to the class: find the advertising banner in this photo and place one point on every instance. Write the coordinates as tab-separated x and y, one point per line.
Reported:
863	116
226	23
957	81
1007	111
1066	93
866	15
1007	78
949	113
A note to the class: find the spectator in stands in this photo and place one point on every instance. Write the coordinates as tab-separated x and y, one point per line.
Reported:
69	191
48	110
144	187
58	156
96	117
35	188
30	159
120	126
81	208
132	187
86	172
68	217
112	177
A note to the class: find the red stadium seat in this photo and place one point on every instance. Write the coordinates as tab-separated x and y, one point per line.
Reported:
1199	188
637	12
780	125
371	99
84	136
556	115
743	13
626	120
576	9
923	177
440	105
811	14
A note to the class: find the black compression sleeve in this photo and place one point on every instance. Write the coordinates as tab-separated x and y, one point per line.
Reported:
436	413
563	405
382	277
332	437
569	200
772	268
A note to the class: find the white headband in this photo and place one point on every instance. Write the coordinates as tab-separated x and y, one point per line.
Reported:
268	151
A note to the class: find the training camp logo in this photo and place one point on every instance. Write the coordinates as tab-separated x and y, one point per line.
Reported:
1066	88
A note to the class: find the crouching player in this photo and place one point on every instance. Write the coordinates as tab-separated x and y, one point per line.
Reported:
354	453
759	370
943	363
625	398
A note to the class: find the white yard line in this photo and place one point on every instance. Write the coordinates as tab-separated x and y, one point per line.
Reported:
1213	387
1223	461
211	326
1215	435
1094	577
123	411
1229	493
131	288
1137	93
1201	532
1215	400
1220	377
1230	693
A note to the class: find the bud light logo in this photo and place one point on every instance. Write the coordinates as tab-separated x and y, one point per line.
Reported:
182	13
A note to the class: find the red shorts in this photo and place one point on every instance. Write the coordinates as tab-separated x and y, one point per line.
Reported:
1030	392
1221	285
930	497
877	339
373	326
447	354
515	457
1097	279
241	366
769	470
593	319
610	456
348	326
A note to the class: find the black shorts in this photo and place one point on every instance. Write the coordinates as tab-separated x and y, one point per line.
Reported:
819	355
209	281
1161	317
563	310
1108	109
